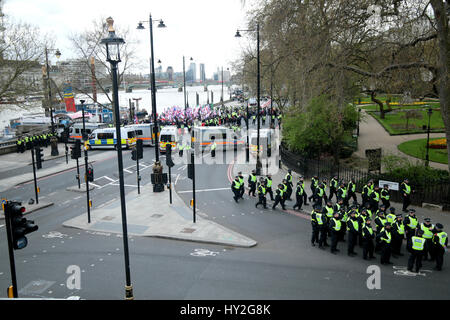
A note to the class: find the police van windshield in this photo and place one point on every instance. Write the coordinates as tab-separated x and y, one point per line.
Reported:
167	138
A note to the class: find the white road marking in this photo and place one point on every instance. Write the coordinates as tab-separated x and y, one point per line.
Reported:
203	253
205	190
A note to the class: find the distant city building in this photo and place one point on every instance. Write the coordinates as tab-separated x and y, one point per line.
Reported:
77	72
191	74
202	72
169	72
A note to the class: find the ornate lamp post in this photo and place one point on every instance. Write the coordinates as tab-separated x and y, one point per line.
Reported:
157	168
113	44
238	35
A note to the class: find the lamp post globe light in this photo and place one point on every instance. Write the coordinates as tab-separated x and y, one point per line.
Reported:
113	44
158	186
238	35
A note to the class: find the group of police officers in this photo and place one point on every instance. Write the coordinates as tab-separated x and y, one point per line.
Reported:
28	142
424	241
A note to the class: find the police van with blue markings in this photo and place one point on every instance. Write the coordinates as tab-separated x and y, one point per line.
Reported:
107	139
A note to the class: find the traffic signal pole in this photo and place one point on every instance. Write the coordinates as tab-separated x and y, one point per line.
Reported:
34	175
86	168
12	263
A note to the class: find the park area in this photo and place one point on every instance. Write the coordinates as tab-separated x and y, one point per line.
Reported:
418	149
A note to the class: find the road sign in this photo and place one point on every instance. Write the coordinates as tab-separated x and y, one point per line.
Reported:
392	185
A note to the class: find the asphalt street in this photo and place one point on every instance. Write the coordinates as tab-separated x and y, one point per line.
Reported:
283	265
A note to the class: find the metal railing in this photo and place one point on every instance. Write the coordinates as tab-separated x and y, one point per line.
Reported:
428	191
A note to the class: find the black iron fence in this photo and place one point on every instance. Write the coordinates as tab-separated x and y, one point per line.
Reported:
424	191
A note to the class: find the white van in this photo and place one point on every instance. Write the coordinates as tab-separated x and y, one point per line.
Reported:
106	138
144	132
265	141
168	135
223	136
76	129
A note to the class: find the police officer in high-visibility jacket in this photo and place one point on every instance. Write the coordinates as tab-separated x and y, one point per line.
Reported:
416	248
385	240
315	226
235	187
241	182
213	149
427	228
353	231
261	193
410	222
269	186
299	192
313	187
351	189
385	195
440	243
405	190
252	183
398	234
333	186
368	235
334	226
289	185
279	197
391	216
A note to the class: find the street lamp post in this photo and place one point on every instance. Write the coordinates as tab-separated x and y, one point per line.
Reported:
184	89
49	87
359	116
86	168
113	44
238	35
427	158
157	168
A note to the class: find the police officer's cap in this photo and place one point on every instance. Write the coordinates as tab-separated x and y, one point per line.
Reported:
392	209
387	224
318	208
427	220
382	206
412	210
399	215
420	232
439	226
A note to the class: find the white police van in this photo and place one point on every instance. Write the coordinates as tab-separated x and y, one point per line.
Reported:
107	139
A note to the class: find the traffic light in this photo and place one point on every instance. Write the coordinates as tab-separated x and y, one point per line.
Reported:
75	151
90	174
190	167
39	157
169	161
137	152
20	226
140	149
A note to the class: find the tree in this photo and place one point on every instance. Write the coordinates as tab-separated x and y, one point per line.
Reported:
22	50
88	45
340	48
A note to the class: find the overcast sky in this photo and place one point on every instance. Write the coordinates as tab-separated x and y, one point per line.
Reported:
203	29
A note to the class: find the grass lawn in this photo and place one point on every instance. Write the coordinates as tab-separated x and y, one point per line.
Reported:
375	107
418	149
395	122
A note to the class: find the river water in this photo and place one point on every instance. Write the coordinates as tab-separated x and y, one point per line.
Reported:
165	98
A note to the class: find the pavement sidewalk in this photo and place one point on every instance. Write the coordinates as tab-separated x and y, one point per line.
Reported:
22	160
436	216
372	135
150	214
